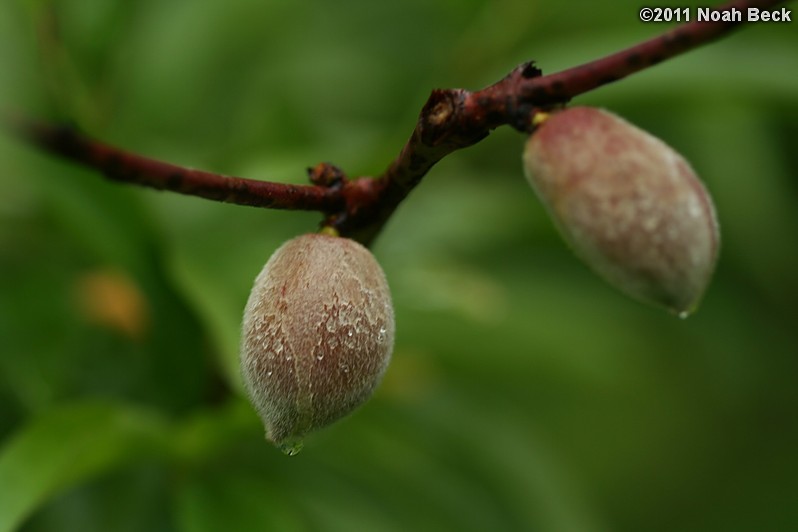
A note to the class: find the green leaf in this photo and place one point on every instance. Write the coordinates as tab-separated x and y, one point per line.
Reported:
233	500
67	446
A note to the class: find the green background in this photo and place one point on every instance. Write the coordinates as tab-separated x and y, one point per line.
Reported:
524	393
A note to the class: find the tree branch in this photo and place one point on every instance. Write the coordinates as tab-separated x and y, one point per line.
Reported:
450	120
456	118
126	167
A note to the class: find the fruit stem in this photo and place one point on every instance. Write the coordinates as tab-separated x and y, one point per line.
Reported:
329	231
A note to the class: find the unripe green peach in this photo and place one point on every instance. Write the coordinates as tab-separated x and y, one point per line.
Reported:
627	203
318	334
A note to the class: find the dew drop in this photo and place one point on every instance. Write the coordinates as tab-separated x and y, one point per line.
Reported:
683	315
291	447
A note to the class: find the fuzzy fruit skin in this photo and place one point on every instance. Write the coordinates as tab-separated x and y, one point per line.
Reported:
318	333
627	203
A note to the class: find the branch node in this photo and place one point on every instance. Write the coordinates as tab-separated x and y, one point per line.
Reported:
437	114
326	175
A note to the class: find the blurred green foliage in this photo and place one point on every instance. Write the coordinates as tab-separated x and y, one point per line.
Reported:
524	394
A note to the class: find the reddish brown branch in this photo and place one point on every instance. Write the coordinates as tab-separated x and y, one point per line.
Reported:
455	119
569	83
450	120
119	165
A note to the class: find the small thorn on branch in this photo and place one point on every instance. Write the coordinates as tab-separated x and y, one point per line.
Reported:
529	70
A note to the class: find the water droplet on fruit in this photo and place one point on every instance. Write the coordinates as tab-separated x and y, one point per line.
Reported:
292	447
